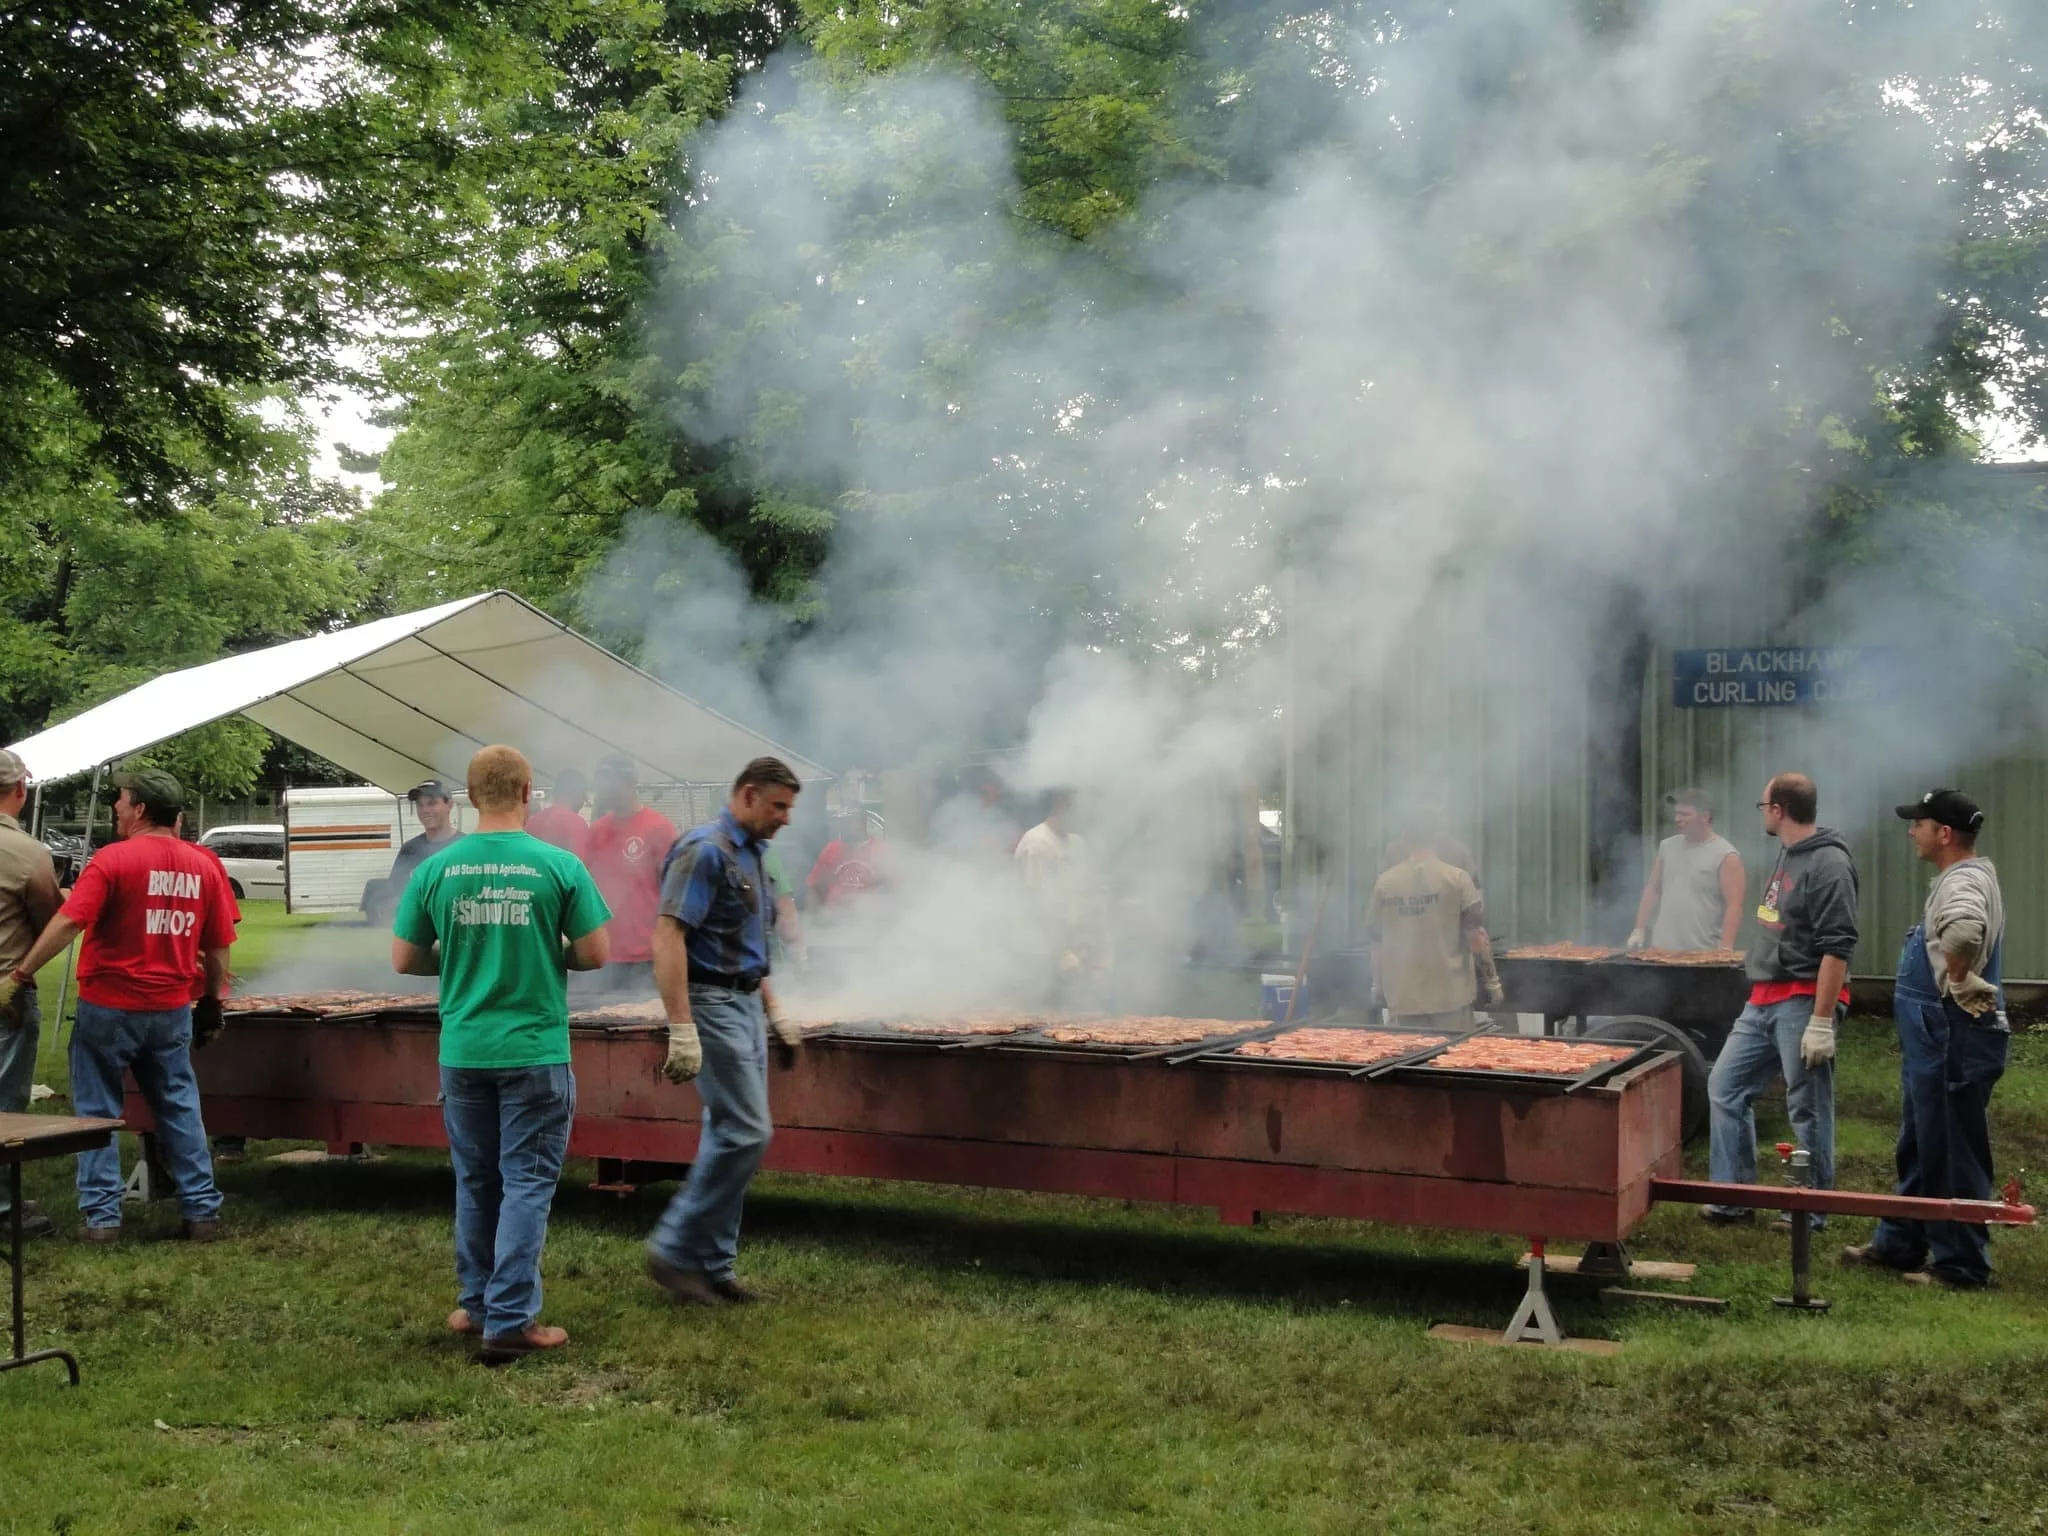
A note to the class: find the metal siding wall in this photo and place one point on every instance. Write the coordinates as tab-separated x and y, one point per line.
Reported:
1508	764
1503	759
1730	753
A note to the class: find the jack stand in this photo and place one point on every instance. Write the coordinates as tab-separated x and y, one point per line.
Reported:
1534	1323
148	1177
1802	1298
1605	1261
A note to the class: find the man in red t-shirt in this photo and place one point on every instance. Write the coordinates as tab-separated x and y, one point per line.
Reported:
155	912
561	822
850	866
626	849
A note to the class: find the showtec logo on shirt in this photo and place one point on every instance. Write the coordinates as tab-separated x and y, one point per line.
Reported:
495	906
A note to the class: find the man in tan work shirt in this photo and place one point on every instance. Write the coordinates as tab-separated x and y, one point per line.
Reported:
28	898
1426	924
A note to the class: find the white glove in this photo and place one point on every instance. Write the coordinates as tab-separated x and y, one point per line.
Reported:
788	1033
685	1054
1495	992
1636	938
1817	1045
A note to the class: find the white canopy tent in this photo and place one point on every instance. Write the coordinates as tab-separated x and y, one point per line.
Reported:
412	697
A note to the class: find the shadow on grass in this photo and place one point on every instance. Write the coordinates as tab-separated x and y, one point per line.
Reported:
1108	1245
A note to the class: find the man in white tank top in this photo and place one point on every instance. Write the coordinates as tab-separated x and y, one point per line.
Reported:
1693	898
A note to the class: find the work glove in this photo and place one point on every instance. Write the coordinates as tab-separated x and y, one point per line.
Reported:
1636	938
685	1053
1817	1045
9	985
788	1035
1495	992
207	1021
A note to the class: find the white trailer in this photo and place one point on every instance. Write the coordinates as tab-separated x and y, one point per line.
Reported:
339	840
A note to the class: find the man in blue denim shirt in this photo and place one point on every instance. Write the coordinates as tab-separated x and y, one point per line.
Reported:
711	964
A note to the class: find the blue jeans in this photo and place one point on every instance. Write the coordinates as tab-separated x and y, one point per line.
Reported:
701	1227
1763	1045
157	1048
508	1132
1948	1065
21	1029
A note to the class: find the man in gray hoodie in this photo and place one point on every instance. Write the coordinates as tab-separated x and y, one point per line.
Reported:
1798	967
1949	1004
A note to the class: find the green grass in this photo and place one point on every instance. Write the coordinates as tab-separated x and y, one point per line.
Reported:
950	1360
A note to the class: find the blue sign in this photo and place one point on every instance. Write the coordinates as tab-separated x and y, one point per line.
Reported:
1778	676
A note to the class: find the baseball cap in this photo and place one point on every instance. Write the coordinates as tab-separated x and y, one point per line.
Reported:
1949	807
161	794
1698	799
13	770
430	789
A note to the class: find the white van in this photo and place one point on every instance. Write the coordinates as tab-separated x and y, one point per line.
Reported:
253	856
340	843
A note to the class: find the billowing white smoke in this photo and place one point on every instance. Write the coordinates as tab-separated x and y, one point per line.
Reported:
1542	325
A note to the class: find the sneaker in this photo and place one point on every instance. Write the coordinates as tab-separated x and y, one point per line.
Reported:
691	1286
102	1236
202	1231
1716	1216
459	1322
530	1340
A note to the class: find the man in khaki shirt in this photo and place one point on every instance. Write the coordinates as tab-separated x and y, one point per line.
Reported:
1426	924
28	899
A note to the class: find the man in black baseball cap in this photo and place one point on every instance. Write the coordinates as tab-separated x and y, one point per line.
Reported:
434	804
1949	1004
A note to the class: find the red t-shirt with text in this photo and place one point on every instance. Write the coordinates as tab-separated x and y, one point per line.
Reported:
561	826
148	905
625	855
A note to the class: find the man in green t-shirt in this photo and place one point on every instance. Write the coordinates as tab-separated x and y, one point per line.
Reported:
502	917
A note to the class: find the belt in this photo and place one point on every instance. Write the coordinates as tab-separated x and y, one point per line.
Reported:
732	981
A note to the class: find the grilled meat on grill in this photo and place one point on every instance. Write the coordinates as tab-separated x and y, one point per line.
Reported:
1355	1047
1139	1031
1688	956
1507	1053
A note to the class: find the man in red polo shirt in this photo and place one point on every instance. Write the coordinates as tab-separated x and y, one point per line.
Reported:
561	822
154	911
627	846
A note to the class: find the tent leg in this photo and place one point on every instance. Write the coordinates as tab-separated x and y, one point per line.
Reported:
92	806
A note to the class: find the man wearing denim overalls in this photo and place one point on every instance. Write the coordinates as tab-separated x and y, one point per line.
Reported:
1949	1003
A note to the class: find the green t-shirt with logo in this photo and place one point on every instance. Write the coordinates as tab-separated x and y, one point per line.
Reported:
501	904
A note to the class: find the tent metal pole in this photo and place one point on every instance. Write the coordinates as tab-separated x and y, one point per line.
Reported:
35	817
92	806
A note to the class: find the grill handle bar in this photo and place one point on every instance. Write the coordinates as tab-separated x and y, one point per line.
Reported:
1842	1202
